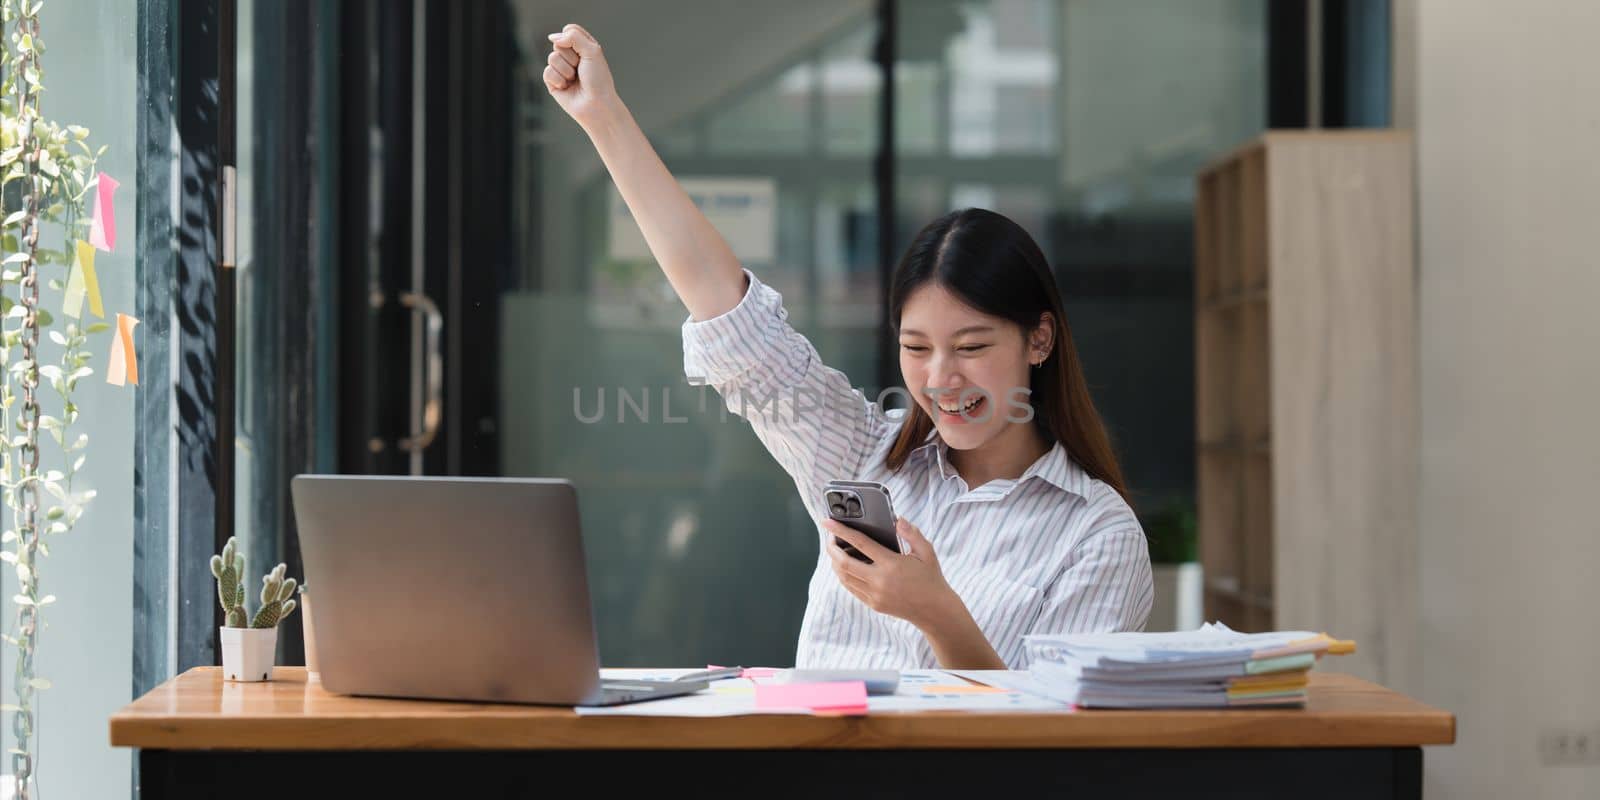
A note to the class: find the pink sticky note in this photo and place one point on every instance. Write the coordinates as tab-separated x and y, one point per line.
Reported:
812	696
759	672
103	222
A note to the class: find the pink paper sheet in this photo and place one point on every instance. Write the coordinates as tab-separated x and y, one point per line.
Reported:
813	696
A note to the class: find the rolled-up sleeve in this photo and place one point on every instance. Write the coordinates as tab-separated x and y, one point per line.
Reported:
808	416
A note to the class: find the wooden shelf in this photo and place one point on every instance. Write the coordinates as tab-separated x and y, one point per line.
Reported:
1235	299
1229	588
1305	388
1260	447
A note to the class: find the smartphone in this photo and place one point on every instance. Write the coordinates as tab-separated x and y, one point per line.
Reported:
864	506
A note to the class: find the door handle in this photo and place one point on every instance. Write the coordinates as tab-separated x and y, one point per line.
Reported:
433	363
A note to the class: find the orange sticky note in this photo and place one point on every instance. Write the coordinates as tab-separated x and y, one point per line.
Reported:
841	696
124	361
103	221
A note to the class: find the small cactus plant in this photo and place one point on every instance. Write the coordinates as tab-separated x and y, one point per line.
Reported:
229	570
277	598
277	592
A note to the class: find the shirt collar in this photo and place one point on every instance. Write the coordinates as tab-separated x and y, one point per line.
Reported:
1054	467
1058	468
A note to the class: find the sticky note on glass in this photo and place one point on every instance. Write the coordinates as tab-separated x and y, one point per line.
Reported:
82	281
124	367
812	696
103	222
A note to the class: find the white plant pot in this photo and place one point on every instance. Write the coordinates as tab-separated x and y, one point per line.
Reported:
248	653
1178	600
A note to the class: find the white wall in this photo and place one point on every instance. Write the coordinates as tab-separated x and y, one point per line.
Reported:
86	646
1509	200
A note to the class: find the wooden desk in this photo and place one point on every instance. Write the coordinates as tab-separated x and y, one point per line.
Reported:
202	737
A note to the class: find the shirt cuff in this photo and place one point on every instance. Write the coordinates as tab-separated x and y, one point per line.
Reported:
748	335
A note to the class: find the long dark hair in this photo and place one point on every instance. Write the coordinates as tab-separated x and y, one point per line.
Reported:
993	265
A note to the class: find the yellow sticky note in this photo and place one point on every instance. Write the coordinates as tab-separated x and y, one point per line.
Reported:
90	283
72	302
124	365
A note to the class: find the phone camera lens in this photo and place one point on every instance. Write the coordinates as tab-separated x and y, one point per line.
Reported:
837	509
854	506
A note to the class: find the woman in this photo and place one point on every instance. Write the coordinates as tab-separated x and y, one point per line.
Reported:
1012	511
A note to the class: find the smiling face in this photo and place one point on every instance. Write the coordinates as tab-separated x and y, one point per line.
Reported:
962	365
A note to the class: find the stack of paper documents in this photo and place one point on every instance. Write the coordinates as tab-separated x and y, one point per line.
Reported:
1213	666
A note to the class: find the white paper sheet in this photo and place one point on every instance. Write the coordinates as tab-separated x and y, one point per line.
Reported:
919	690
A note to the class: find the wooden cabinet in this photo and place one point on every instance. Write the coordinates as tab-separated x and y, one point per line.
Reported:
1305	369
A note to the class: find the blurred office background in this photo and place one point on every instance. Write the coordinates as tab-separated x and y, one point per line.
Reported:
400	164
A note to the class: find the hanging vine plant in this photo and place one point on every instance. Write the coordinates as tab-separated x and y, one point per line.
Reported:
49	171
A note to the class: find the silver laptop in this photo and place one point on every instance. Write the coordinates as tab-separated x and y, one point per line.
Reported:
454	589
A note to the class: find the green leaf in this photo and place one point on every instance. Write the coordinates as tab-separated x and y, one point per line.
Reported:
55	336
40	683
94	327
14	218
15	257
48	599
45	318
21	600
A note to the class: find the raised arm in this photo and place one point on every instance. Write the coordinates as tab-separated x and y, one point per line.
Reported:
698	262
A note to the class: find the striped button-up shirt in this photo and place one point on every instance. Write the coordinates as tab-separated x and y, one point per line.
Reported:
1053	551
